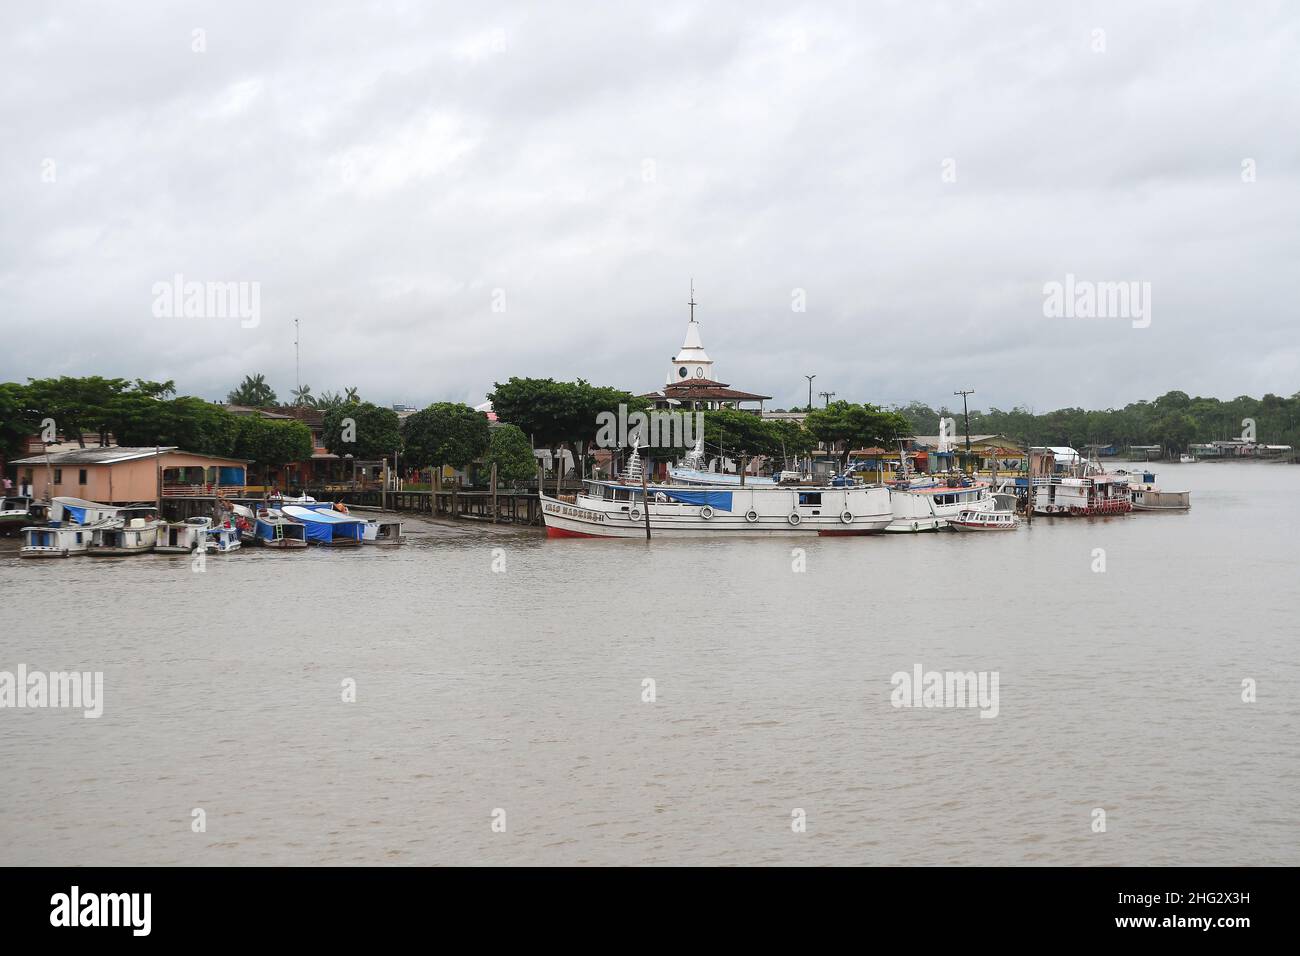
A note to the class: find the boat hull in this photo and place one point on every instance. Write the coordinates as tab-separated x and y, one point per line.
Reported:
750	513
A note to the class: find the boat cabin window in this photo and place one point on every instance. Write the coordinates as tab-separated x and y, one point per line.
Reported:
810	498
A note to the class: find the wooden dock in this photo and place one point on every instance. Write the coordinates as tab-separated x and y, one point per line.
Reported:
505	507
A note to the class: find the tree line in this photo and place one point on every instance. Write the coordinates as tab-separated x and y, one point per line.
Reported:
1172	421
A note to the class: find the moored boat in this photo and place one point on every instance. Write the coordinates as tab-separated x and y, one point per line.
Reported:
221	539
927	504
984	520
1147	496
326	526
19	511
133	531
610	509
70	529
181	537
382	531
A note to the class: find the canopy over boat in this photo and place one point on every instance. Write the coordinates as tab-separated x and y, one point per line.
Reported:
326	525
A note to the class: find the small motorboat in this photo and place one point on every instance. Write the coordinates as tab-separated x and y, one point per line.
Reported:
1186	459
971	519
221	539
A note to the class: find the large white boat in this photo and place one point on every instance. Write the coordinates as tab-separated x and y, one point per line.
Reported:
611	509
1100	493
929	504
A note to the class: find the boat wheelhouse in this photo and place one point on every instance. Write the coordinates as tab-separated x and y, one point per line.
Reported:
610	509
984	520
181	537
55	540
133	531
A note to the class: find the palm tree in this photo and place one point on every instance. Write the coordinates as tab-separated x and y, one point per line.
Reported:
329	400
252	391
350	394
302	396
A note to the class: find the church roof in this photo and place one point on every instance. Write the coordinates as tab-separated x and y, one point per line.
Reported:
692	349
700	389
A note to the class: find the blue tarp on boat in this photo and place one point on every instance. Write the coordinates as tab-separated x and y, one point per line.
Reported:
326	525
717	500
74	514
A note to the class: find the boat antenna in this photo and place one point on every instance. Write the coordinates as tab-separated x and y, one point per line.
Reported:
692	302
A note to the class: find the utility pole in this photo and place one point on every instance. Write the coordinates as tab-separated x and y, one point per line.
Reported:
297	361
810	380
827	396
963	392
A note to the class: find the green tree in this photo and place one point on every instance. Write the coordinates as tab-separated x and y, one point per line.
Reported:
445	433
362	430
509	450
271	443
860	426
555	414
17	420
302	396
253	391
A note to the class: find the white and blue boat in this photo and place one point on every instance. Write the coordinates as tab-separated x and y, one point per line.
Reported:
327	527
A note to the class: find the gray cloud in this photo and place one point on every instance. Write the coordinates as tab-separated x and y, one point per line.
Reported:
380	171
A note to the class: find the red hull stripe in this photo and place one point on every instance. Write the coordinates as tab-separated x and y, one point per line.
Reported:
565	533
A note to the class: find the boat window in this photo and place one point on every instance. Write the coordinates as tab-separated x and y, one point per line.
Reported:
810	497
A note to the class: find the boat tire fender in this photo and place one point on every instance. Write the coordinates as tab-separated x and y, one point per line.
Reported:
751	516
794	518
846	517
706	512
635	514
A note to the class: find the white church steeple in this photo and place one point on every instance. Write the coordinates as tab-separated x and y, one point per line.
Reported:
691	361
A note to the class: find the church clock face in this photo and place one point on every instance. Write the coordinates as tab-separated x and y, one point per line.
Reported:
681	372
699	371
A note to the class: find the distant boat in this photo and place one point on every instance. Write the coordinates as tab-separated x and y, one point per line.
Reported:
1147	496
18	511
327	527
1186	459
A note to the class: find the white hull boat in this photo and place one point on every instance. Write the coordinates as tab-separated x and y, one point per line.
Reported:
182	537
984	520
73	523
133	531
929	505
382	532
608	509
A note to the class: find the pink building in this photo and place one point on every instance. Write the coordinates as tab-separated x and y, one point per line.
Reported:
119	475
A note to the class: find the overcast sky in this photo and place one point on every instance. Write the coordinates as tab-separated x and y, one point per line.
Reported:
381	169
